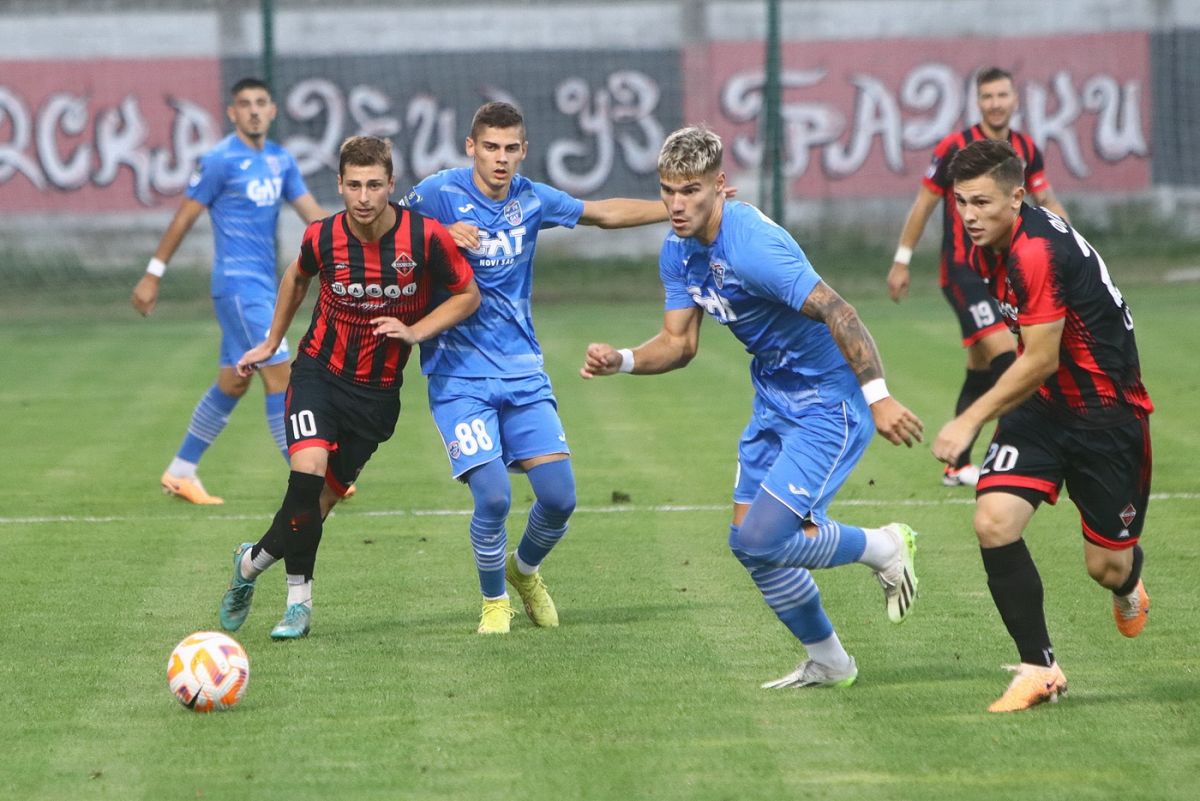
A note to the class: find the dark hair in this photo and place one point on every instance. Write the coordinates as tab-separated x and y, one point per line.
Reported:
992	74
365	151
248	83
988	157
497	114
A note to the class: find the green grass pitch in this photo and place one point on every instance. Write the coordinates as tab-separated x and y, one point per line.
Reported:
649	690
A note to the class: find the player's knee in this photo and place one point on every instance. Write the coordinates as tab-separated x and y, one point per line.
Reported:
752	544
554	485
491	490
993	528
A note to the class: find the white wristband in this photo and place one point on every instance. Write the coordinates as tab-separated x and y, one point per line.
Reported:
875	390
626	365
156	267
903	255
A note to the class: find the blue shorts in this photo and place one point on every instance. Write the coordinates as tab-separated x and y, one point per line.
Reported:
481	419
245	322
802	461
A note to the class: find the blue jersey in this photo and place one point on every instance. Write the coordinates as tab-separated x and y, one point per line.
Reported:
243	189
754	278
498	339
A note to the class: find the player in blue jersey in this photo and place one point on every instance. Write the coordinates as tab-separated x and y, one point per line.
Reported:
488	391
819	392
242	182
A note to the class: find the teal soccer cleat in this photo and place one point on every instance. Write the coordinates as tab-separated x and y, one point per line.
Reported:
295	623
235	604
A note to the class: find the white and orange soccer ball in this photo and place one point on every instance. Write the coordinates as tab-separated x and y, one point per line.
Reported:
208	671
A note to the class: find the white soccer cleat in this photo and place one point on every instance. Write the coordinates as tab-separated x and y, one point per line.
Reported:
965	476
899	577
814	674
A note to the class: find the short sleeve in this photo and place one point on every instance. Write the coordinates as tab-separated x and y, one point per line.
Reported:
207	180
672	271
937	175
1037	287
309	261
451	268
770	263
558	208
293	182
1035	172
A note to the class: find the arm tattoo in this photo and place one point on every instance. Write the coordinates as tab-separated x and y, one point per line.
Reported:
852	337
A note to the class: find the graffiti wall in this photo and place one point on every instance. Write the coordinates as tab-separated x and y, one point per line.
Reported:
861	117
105	135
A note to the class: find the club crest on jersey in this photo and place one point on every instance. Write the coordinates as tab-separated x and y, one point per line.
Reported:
454	449
718	273
273	165
1128	514
513	213
404	264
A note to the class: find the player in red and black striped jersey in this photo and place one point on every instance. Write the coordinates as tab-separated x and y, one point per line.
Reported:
990	348
1072	409
389	279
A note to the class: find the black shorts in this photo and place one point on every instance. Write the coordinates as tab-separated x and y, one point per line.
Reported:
349	421
1106	470
978	312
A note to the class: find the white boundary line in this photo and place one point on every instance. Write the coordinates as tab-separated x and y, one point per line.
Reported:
595	510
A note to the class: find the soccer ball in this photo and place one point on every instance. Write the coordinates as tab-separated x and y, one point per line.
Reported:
208	671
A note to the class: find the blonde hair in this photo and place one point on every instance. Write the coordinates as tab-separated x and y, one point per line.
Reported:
690	153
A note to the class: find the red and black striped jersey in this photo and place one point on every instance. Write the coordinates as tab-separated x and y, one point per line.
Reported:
1049	272
955	242
403	274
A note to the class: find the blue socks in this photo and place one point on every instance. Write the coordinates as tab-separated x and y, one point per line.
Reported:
275	412
772	534
493	496
554	488
791	593
208	420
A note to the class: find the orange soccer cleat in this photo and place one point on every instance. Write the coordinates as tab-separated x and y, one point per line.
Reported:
190	489
1130	611
1033	685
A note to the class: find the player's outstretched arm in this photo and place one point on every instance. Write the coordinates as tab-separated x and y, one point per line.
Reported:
673	347
1037	362
145	292
308	208
458	307
898	278
893	421
292	289
621	212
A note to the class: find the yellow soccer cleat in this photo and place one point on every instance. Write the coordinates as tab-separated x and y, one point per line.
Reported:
1033	685
189	489
1131	611
538	603
496	617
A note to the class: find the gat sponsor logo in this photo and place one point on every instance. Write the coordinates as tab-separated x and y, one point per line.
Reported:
495	247
714	304
265	191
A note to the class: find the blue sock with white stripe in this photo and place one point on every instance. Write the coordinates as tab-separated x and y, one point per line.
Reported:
208	420
493	496
554	487
791	593
771	534
275	411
